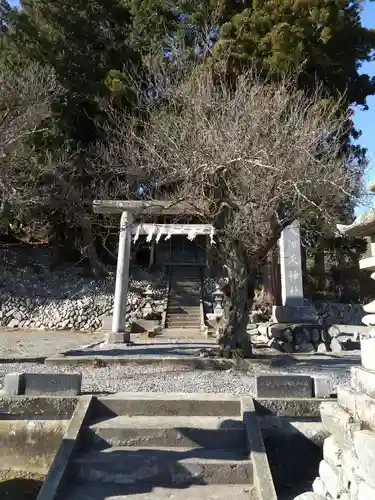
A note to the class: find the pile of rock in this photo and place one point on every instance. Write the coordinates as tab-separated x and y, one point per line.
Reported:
308	338
76	314
39	303
347	471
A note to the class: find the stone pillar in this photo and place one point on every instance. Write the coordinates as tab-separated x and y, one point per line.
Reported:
291	266
118	334
293	309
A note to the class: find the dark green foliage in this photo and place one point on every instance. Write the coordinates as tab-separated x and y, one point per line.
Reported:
324	37
85	43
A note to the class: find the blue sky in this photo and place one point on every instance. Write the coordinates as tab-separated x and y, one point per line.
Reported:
365	120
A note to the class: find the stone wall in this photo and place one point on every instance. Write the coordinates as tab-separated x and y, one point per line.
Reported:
347	471
32	296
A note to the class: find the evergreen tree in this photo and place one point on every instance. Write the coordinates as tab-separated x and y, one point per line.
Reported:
323	37
87	44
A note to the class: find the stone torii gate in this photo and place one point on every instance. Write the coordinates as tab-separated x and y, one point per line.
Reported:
128	229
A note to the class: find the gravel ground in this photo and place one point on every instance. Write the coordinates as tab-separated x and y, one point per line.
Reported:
156	378
151	378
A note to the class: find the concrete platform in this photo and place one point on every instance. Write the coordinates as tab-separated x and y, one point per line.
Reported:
209	432
168	404
98	491
163	466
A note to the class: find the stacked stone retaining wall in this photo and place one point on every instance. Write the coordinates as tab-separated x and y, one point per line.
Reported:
347	471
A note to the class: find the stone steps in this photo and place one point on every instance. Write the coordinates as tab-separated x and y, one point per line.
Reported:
175	447
163	466
183	310
177	431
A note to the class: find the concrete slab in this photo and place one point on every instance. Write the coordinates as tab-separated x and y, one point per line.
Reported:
53	407
262	473
209	432
99	491
168	404
163	466
54	481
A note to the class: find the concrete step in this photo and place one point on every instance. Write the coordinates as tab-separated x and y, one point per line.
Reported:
183	326
184	306
186	283
185	333
168	405
191	320
187	311
191	303
85	490
209	432
163	466
184	294
184	317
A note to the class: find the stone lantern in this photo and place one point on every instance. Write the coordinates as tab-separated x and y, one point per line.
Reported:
364	226
218	301
348	466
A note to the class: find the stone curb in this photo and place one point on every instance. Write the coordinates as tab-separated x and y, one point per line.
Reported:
262	473
180	361
289	407
22	359
292	386
42	384
54	482
57	407
83	347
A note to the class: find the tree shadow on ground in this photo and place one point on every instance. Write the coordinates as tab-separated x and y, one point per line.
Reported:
158	468
156	349
20	489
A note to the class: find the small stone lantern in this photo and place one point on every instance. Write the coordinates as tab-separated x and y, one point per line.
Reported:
218	301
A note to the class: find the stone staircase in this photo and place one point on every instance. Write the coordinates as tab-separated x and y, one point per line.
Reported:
183	312
173	448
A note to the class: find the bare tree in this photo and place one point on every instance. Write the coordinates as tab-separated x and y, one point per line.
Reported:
251	159
26	96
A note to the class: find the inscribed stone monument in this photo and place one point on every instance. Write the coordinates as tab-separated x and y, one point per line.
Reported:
293	309
291	266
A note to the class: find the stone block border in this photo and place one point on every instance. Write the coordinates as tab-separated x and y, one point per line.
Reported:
54	482
38	384
262	472
291	386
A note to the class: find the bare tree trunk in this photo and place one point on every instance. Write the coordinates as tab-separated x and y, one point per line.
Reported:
89	248
237	309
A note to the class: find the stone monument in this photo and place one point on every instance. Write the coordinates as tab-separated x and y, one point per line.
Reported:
293	308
